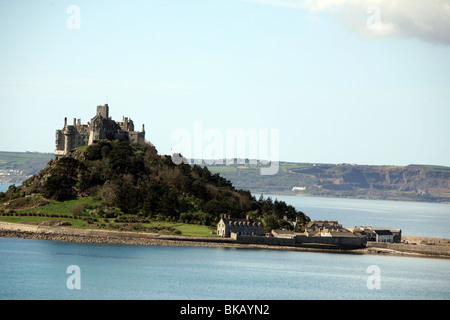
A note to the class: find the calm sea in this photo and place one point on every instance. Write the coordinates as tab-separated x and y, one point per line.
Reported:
414	218
37	269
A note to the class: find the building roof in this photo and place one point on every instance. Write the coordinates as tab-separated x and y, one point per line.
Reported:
283	232
242	222
393	230
382	232
343	234
373	229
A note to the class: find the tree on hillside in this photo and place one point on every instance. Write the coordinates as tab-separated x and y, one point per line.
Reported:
61	181
128	197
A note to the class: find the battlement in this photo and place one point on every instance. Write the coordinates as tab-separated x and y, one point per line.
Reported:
101	126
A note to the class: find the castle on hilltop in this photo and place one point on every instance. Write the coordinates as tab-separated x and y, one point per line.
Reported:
100	127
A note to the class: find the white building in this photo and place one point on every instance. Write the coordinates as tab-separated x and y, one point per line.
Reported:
384	235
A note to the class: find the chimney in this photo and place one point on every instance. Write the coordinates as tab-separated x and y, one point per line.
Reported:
65	122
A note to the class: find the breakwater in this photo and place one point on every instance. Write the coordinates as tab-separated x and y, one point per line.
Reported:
341	243
419	249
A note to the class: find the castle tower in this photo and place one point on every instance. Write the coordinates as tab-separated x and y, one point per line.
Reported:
100	127
103	111
68	132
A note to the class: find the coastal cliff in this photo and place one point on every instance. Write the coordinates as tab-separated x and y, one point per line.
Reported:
411	183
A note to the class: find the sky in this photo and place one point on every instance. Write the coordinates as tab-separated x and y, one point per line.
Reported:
336	81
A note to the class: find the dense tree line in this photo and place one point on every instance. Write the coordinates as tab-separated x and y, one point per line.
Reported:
137	181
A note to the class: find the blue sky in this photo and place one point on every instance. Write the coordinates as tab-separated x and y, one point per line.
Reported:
337	90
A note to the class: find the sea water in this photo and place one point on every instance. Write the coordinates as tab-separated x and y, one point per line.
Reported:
4	187
39	269
425	219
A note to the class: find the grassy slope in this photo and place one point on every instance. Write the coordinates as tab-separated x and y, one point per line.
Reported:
61	211
185	229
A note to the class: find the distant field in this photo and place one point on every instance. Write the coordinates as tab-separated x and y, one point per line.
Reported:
28	162
440	168
413	182
21	158
215	169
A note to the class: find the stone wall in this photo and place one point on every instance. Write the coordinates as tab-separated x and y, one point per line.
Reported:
303	241
410	248
337	241
265	240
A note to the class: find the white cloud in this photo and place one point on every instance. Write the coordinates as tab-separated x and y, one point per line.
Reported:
426	20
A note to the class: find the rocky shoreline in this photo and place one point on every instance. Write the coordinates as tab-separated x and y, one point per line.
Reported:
39	232
13	230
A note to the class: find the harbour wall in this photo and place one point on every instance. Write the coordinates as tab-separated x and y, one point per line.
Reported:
303	241
422	249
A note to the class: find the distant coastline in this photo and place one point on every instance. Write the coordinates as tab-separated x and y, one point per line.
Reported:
38	232
355	197
418	183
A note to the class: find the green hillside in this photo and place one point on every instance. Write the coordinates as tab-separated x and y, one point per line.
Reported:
134	184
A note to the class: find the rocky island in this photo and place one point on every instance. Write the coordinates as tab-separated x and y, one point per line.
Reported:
106	176
108	184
